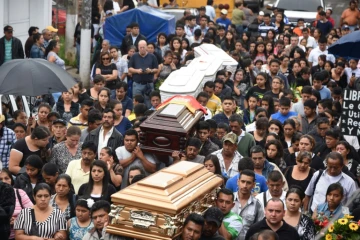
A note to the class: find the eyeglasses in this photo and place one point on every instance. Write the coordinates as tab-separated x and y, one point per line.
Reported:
105	58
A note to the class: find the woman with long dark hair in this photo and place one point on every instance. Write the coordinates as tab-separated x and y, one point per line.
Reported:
64	199
50	222
51	54
115	169
98	187
103	101
306	143
294	217
267	102
161	43
279	22
274	153
31	177
228	44
35	144
301	173
22	199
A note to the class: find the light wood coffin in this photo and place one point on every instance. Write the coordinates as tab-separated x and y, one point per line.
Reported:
156	207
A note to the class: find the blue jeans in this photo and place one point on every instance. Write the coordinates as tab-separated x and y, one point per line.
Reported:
144	91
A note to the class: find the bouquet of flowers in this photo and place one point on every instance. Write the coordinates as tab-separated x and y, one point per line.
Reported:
344	228
296	92
321	221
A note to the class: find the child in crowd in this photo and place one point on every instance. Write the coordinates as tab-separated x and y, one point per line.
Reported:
155	99
203	99
78	226
249	113
284	110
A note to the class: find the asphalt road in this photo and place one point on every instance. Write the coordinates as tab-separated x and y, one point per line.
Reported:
336	5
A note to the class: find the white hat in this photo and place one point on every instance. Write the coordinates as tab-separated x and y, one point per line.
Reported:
224	11
261	13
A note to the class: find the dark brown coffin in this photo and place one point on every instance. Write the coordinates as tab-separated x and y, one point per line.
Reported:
156	207
168	129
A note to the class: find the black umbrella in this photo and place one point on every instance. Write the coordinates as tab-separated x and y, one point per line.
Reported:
33	77
347	46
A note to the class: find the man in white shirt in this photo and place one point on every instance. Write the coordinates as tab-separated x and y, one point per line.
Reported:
275	184
311	42
130	155
106	135
320	50
332	174
353	70
191	26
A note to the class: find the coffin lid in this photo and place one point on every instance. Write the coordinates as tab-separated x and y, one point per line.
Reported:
210	49
207	63
169	189
172	118
182	81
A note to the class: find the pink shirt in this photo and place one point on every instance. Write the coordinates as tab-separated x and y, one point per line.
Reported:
26	202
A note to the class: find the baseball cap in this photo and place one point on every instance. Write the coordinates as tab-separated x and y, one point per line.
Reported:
231	137
52	29
214	214
261	13
224	11
345	27
2	118
60	120
8	28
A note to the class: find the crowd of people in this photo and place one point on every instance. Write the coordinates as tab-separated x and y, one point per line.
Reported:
282	157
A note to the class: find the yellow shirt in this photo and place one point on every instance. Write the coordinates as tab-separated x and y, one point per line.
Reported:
77	174
214	103
75	121
131	116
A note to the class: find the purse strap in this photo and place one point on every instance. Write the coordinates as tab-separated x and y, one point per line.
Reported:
33	220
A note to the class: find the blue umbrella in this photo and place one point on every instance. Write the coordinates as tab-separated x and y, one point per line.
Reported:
347	46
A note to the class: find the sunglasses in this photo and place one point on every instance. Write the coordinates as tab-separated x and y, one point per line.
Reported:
105	58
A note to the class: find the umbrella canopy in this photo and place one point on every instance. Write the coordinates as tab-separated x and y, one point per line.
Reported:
33	77
347	46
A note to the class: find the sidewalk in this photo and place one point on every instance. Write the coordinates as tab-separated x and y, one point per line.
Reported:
72	71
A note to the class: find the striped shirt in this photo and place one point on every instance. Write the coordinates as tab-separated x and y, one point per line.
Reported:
233	224
263	28
8	50
47	229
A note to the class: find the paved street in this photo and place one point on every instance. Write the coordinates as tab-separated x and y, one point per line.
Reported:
336	5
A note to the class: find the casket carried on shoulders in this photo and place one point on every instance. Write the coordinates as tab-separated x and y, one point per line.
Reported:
168	129
156	207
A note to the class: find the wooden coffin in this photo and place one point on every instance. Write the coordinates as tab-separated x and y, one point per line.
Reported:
156	207
168	129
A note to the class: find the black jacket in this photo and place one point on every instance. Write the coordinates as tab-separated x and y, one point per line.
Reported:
17	49
7	206
127	42
116	139
23	182
74	108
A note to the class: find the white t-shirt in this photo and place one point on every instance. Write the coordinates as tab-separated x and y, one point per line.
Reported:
260	197
210	11
116	6
349	72
311	42
122	154
316	52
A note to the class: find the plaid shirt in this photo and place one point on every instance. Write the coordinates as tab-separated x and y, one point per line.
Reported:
233	168
251	213
6	141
